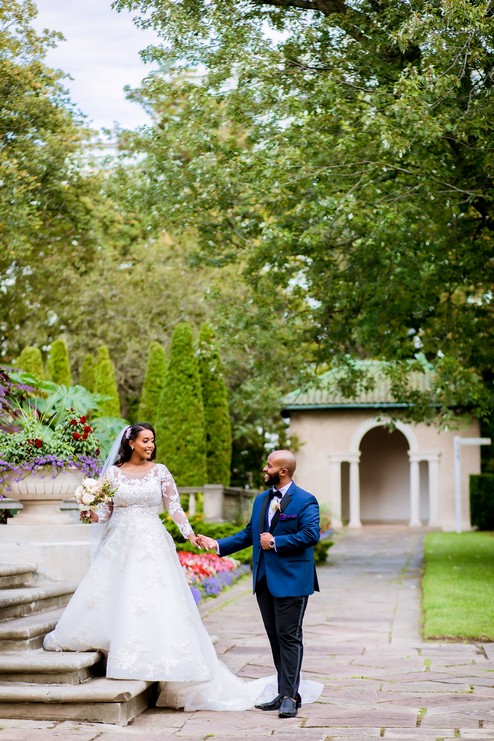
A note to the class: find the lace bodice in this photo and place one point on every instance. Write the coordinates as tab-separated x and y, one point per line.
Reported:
146	493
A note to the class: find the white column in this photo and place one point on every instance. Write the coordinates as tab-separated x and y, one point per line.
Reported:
414	491
335	489
433	461
354	492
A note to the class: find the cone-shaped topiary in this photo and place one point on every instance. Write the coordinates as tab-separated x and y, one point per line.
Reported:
31	361
88	373
58	363
152	386
180	419
106	383
216	415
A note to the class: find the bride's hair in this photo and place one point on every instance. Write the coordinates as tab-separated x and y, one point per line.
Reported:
130	433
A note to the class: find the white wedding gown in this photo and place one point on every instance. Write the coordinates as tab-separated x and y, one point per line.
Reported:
135	605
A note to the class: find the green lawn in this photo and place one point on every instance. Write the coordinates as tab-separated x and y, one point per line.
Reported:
458	586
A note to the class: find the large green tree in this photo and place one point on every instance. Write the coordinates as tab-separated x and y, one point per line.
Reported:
343	151
49	201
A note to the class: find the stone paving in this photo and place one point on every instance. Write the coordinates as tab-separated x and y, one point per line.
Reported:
362	636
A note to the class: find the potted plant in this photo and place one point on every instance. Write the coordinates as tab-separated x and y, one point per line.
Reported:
42	465
46	446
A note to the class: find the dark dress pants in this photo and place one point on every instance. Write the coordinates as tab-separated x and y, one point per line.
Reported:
282	618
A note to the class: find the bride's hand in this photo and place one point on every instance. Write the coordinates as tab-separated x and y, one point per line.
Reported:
194	540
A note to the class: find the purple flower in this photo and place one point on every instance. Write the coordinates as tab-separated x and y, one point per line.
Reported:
196	594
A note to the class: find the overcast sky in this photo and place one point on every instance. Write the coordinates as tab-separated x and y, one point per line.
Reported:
101	53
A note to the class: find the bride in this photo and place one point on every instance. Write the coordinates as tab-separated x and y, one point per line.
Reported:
134	603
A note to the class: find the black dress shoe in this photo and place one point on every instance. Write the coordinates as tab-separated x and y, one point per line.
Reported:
273	705
288	708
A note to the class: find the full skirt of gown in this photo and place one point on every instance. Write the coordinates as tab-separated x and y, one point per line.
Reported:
135	605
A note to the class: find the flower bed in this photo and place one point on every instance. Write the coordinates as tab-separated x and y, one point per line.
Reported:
207	574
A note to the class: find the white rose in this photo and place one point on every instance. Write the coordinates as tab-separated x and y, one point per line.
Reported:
87	498
90	483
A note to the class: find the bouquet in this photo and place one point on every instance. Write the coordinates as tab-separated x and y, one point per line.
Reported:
91	494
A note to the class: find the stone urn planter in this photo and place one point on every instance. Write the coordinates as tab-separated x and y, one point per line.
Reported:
42	495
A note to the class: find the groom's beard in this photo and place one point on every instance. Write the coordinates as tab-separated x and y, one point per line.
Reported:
272	479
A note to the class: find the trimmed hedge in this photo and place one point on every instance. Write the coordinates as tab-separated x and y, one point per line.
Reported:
152	386
216	415
482	501
179	423
88	373
31	361
58	363
106	384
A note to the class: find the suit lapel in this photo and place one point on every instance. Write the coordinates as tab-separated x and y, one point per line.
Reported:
262	512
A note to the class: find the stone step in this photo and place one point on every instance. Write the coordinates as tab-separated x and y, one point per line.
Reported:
102	700
50	667
25	633
22	601
17	575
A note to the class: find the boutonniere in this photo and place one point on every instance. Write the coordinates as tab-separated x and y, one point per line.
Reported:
275	505
287	517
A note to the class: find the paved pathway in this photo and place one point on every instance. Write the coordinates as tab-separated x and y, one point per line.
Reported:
362	640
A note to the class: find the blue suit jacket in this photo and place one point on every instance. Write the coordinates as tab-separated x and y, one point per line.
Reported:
290	569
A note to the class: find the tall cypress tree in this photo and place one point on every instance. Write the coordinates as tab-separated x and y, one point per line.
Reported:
106	383
88	372
58	363
154	380
216	415
180	419
31	361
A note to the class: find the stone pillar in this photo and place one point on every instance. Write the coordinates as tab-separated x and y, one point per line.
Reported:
213	502
335	489
354	492
414	491
433	461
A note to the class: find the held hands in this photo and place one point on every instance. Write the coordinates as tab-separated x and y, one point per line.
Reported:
194	539
208	543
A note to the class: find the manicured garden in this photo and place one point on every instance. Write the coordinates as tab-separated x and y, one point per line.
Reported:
458	586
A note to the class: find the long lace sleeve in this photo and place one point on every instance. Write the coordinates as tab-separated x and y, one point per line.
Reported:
171	499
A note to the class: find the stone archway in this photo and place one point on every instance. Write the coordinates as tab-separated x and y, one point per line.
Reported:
423	481
384	477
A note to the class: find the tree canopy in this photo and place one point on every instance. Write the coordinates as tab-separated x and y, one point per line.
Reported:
343	153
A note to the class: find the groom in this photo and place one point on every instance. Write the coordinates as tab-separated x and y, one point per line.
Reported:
283	530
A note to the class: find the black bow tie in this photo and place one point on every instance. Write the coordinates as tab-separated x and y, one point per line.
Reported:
275	493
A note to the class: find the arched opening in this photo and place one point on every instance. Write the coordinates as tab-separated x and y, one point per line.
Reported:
384	477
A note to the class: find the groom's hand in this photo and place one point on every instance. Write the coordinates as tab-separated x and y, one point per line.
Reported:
266	538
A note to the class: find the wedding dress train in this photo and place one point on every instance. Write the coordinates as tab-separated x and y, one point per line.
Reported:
135	605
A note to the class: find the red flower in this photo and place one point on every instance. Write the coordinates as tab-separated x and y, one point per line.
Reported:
82	419
87	428
38	443
73	421
76	436
84	435
97	451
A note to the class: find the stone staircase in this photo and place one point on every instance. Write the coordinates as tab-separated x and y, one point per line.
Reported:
47	685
